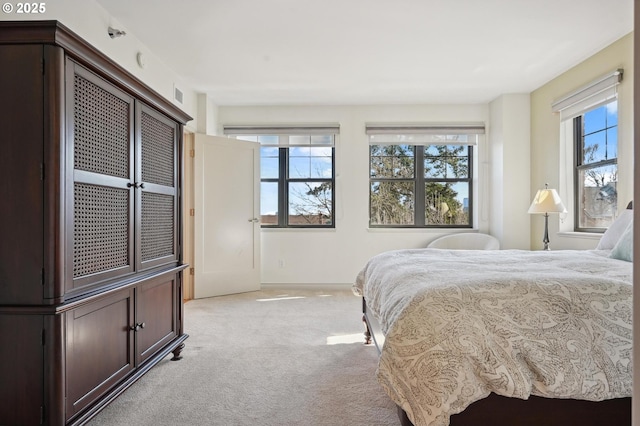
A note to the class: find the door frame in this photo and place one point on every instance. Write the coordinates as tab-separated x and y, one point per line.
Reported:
188	208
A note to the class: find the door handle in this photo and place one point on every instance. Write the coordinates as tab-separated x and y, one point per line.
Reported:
254	220
137	327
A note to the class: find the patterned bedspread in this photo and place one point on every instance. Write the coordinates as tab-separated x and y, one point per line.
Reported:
460	324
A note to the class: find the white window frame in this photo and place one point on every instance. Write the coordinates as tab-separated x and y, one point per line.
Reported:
600	91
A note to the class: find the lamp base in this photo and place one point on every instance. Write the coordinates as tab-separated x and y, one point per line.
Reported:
545	240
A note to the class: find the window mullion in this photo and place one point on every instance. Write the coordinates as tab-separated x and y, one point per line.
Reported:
578	140
283	187
418	178
577	162
597	164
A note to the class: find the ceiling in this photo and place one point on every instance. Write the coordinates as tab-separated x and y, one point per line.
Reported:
364	52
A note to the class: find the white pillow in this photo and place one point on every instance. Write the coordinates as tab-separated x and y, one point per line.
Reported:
615	231
623	250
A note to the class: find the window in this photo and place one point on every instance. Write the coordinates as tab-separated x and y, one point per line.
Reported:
589	133
421	176
297	175
596	170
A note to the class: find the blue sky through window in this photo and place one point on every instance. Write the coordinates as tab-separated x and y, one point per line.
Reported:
601	133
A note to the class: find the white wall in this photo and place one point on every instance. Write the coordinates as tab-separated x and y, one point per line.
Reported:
335	256
545	139
207	117
90	21
509	169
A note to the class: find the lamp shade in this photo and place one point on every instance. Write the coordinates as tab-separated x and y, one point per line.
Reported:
547	201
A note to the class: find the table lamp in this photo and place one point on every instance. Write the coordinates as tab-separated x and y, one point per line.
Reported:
546	201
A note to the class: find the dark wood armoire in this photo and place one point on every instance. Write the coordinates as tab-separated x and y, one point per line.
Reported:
90	230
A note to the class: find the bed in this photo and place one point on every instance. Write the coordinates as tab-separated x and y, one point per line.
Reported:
510	337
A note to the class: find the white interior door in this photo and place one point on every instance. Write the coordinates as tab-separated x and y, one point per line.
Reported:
227	211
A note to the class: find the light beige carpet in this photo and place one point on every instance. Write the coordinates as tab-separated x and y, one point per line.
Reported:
263	358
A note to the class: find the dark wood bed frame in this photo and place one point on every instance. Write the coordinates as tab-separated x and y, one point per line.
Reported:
498	410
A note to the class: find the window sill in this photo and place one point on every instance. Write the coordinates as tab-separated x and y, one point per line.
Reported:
333	229
424	230
581	235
